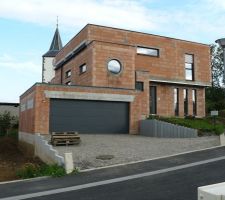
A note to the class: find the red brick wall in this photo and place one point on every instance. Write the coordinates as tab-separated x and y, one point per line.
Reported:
40	121
170	64
165	100
27	117
104	52
76	40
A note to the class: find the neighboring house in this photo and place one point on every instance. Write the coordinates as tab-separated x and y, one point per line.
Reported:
107	79
13	108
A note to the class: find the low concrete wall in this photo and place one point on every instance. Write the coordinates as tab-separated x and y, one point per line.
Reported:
156	128
46	152
42	149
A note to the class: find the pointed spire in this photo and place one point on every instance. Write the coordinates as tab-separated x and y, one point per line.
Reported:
56	44
56	41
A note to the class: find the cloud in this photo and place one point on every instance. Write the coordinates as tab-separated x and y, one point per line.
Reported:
191	20
8	62
122	13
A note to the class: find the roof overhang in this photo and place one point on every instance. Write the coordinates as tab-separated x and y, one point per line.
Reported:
71	54
180	82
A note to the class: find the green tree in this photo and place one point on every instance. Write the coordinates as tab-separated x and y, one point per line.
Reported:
5	122
215	95
216	65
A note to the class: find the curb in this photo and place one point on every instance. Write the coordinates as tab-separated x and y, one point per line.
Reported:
25	180
146	160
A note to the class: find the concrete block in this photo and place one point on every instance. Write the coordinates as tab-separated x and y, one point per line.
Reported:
212	192
222	139
68	158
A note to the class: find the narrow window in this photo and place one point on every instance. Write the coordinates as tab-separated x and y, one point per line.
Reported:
83	68
68	83
148	51
139	86
176	101
185	102
189	67
153	100
194	101
68	73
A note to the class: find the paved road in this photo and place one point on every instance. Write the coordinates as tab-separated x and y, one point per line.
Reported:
172	178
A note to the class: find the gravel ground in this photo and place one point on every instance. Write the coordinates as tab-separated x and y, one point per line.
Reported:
128	148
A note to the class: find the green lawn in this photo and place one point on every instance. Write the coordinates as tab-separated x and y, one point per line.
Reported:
204	125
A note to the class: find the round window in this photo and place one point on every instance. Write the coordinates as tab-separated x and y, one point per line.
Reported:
114	66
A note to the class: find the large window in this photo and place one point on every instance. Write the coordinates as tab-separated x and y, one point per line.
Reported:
194	101
189	67
185	102
176	101
148	51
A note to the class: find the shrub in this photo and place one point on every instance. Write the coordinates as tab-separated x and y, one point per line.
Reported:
30	170
8	124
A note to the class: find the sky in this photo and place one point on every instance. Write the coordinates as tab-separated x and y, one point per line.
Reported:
27	28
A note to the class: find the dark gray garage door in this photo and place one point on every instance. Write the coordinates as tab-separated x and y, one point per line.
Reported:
89	116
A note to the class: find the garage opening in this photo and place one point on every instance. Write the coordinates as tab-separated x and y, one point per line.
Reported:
87	116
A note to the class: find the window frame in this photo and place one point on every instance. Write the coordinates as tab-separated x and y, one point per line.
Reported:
194	101
68	73
189	69
68	83
139	85
120	63
185	95
148	48
176	101
80	68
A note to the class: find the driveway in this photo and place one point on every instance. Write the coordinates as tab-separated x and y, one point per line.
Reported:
121	148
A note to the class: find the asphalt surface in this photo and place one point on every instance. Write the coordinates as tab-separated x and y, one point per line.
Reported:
178	183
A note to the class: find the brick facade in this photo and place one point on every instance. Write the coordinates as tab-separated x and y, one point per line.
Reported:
166	72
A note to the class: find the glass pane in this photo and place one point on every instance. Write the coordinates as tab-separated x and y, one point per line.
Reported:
148	51
189	58
114	66
188	66
188	75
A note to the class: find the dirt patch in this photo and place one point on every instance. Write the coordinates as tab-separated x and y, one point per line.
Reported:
12	159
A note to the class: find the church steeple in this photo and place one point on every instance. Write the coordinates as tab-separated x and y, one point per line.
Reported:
56	44
48	68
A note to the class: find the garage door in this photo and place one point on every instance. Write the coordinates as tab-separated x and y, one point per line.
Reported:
89	116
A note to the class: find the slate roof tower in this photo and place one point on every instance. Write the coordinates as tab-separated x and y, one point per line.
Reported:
48	71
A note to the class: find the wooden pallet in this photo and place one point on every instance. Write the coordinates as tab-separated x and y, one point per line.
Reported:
64	138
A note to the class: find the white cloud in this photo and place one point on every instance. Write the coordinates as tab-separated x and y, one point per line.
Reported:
8	62
191	20
122	13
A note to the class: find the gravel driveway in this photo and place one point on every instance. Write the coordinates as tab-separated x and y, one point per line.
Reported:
127	148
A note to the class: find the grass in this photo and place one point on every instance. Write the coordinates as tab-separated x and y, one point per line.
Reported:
30	170
203	125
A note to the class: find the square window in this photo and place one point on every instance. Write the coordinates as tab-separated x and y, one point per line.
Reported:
68	83
83	68
139	86
68	73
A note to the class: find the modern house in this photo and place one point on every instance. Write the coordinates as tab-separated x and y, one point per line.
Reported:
105	80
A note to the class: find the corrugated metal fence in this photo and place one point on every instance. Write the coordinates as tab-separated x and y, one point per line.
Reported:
156	128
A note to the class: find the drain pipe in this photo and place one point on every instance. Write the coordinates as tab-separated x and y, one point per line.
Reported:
221	42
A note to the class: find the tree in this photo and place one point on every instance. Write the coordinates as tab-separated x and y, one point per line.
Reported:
217	65
6	122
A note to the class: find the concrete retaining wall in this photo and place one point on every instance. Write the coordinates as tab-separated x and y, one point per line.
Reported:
46	152
156	128
42	149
